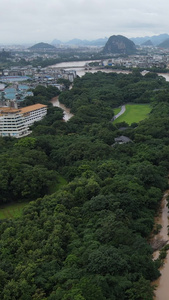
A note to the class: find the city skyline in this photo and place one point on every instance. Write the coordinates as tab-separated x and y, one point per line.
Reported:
28	21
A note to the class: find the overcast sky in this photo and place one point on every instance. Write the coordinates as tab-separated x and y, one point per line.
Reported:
33	21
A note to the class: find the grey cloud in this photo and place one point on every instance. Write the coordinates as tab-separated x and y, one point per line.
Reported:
41	20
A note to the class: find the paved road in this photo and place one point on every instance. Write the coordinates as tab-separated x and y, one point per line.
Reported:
123	108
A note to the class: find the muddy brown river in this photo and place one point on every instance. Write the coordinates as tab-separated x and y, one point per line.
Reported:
162	291
66	111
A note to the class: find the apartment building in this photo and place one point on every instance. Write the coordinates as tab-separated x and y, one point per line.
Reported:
15	122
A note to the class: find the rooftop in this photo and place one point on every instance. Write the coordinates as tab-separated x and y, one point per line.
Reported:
122	139
5	109
32	108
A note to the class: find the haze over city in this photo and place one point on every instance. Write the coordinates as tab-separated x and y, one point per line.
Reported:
31	21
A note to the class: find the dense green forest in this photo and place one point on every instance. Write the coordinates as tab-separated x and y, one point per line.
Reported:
90	239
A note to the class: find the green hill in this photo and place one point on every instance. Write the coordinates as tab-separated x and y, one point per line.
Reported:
42	46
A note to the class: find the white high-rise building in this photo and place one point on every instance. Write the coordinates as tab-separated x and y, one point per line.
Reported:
15	122
34	113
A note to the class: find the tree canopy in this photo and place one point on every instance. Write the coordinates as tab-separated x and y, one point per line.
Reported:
89	239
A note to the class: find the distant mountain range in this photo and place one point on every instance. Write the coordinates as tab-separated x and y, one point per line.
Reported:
114	44
147	43
77	42
155	39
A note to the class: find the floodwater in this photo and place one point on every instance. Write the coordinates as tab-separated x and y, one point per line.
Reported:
81	72
162	291
166	76
72	64
67	114
79	67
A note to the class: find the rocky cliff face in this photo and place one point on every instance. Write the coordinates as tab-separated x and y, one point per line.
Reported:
119	44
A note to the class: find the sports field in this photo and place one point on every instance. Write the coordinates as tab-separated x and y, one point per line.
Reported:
134	113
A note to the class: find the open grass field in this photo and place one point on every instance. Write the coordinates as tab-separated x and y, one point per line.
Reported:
134	113
12	210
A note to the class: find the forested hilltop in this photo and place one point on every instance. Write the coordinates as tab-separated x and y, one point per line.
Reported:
90	239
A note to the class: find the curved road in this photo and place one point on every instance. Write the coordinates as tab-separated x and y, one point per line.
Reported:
123	108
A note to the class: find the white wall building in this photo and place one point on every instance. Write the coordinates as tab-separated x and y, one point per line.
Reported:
15	122
34	113
12	123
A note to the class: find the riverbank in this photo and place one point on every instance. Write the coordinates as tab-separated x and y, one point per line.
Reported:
67	114
80	68
159	240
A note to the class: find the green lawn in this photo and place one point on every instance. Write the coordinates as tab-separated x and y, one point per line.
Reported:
117	110
12	210
134	113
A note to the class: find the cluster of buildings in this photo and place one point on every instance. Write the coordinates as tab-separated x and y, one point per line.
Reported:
38	75
139	61
50	75
15	122
14	91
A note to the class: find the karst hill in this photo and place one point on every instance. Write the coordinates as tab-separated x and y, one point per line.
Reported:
118	44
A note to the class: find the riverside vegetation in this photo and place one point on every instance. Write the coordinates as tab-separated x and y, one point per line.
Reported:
89	239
